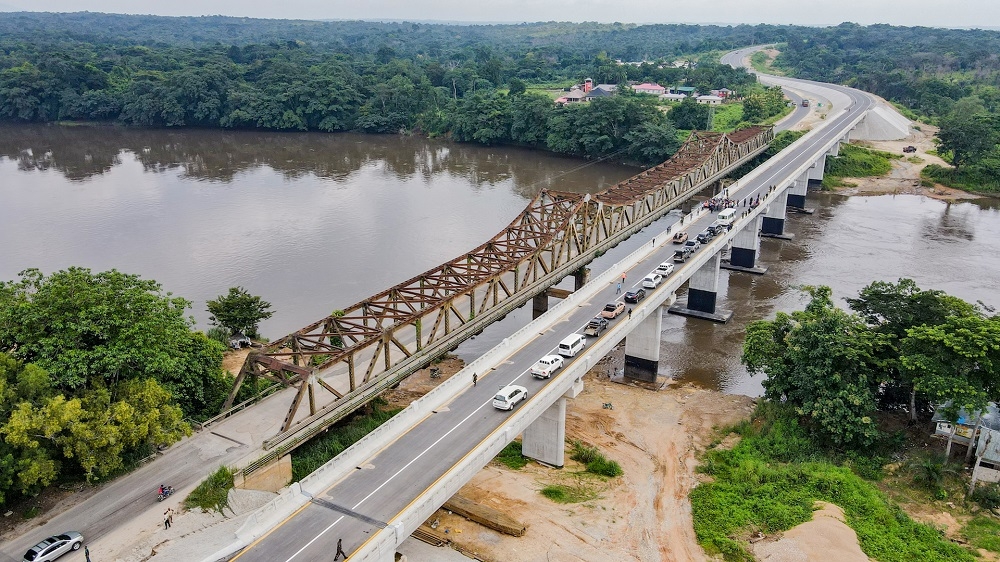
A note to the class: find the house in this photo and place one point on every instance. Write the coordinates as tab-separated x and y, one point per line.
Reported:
673	97
709	100
722	92
575	95
686	90
648	88
987	442
599	92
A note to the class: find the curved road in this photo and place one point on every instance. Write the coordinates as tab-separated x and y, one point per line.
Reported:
358	506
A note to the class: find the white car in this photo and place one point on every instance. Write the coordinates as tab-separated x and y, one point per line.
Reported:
664	269
54	547
547	365
652	281
508	396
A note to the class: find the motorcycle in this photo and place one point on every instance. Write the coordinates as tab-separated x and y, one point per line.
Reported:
164	492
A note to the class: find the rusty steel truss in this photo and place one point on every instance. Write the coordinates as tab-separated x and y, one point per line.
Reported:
373	344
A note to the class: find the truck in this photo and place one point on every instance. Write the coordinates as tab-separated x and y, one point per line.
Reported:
596	326
805	103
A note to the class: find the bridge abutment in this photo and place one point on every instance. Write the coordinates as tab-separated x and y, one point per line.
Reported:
796	198
703	290
545	439
746	249
642	348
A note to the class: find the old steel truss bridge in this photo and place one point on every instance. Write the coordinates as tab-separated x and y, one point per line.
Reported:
342	361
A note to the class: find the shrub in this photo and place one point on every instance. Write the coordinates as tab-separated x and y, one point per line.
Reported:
511	456
213	492
987	496
219	334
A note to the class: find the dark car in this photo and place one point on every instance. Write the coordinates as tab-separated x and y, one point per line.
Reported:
705	236
682	254
596	326
692	244
635	296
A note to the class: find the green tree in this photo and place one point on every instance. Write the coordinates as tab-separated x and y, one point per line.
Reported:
239	311
690	115
969	133
893	309
822	361
85	328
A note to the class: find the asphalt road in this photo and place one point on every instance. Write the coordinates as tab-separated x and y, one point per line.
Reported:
359	505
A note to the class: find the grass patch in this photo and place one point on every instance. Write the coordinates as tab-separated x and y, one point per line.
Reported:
511	456
727	116
856	162
213	492
321	449
595	461
770	480
562	493
983	532
915	160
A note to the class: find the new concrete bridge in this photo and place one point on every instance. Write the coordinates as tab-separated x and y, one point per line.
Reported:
377	492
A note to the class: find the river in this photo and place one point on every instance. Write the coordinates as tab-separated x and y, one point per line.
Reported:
316	222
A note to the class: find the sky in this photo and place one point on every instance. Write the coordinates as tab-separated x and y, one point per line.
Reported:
933	13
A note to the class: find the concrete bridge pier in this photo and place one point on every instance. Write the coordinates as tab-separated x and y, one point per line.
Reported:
545	439
745	250
703	290
817	170
642	348
773	224
796	199
580	278
539	304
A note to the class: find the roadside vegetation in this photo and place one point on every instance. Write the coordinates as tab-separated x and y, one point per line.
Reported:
511	456
342	435
843	387
213	492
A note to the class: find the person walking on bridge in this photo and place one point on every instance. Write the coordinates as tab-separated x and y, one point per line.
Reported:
619	289
340	551
475	379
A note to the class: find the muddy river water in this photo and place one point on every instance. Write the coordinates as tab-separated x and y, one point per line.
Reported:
316	222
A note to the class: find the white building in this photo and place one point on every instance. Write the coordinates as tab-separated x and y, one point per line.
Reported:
709	100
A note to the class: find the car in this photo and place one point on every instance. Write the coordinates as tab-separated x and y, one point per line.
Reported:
547	365
682	254
54	547
718	228
909	149
508	397
692	244
652	281
705	236
665	268
680	237
613	309
597	325
635	296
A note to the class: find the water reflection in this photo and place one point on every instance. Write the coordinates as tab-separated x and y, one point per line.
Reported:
82	152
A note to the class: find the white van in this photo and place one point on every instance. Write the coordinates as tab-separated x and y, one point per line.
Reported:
726	217
572	345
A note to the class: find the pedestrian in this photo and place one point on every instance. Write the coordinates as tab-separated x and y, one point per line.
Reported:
475	379
654	241
86	552
623	277
166	520
630	314
340	551
619	289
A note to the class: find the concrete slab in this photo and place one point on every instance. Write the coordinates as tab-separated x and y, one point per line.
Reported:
754	270
778	236
721	316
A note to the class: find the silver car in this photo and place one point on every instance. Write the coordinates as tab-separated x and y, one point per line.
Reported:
54	547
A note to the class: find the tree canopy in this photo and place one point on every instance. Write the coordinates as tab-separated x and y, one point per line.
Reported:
839	368
239	311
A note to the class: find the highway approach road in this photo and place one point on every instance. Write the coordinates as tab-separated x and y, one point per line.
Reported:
356	507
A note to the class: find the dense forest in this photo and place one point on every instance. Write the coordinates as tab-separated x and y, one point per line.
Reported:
474	83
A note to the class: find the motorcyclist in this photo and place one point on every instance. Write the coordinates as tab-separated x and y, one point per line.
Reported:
160	492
